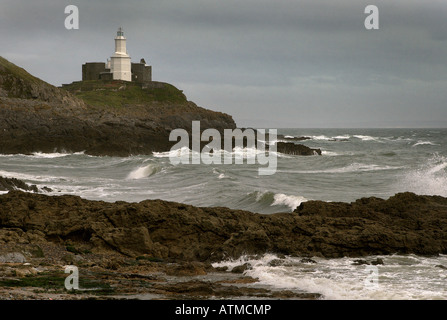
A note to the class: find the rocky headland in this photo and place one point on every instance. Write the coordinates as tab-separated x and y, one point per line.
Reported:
113	118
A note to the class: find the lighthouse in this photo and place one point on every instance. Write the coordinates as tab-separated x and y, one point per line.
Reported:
120	65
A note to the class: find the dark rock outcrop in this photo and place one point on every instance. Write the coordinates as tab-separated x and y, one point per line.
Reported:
8	184
405	223
296	149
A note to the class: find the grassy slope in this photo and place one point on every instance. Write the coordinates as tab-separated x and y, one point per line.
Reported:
114	93
7	67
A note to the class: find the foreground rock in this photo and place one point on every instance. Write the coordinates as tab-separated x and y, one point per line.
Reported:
37	271
162	250
405	223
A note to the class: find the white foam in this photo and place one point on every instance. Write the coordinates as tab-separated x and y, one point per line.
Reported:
221	175
347	136
246	152
420	143
3	155
54	155
340	279
326	138
31	177
291	201
239	152
329	153
366	138
184	151
353	167
430	179
144	172
320	137
42	155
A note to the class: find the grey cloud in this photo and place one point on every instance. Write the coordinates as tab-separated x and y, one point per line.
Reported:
292	57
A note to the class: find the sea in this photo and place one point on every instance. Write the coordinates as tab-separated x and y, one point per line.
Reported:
355	163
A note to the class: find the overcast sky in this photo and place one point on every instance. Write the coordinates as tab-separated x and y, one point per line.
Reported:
272	64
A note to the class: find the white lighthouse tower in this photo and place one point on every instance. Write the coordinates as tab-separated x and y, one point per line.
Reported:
120	65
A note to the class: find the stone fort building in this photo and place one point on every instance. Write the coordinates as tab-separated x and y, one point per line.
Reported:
119	66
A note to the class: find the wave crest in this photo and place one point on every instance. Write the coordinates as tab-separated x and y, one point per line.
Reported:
421	143
271	199
144	172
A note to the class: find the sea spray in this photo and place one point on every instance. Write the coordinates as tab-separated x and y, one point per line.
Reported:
290	201
144	171
428	179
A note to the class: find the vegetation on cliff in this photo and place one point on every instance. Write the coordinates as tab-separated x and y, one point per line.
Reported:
117	93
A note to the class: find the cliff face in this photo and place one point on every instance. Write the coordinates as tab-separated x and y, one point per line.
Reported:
107	118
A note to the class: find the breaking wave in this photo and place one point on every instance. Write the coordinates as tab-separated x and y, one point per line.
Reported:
403	277
184	151
43	155
244	153
55	154
276	201
366	138
431	179
144	172
329	153
353	167
333	138
420	143
290	201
